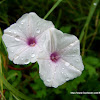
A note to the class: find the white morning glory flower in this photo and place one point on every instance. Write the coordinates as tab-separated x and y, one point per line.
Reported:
60	61
22	38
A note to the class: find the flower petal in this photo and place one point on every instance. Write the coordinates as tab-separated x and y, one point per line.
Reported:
65	41
68	66
32	25
26	56
11	41
15	50
18	51
72	50
55	40
46	71
49	40
15	31
64	72
75	61
16	37
54	75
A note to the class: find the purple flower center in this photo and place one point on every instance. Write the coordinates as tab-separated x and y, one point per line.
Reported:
31	41
54	56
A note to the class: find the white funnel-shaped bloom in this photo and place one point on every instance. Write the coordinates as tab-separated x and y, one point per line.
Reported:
60	61
22	38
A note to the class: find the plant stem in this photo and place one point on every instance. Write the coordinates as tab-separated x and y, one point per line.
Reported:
54	6
92	9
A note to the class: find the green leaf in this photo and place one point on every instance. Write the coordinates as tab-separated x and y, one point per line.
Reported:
54	6
91	69
66	29
94	61
14	90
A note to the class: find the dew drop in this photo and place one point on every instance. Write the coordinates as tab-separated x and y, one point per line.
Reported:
38	23
21	23
17	38
17	57
41	74
67	79
26	61
77	60
37	31
65	74
22	58
72	44
9	31
33	55
48	80
15	32
63	68
73	55
74	51
62	72
67	64
68	47
54	72
41	50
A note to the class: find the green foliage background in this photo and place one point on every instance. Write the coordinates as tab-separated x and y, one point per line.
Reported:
78	17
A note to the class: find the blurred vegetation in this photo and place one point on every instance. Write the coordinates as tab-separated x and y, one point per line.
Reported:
78	17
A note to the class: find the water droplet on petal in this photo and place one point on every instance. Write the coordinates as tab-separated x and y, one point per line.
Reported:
68	47
74	51
21	23
73	55
26	61
48	80
9	31
72	44
22	58
62	72
67	64
15	32
17	38
37	31
65	74
54	72
40	73
77	60
17	57
12	51
63	68
41	50
67	79
33	55
38	23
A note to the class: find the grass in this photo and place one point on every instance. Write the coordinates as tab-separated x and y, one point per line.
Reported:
81	18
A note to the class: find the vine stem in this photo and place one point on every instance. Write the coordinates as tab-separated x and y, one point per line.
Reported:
25	68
